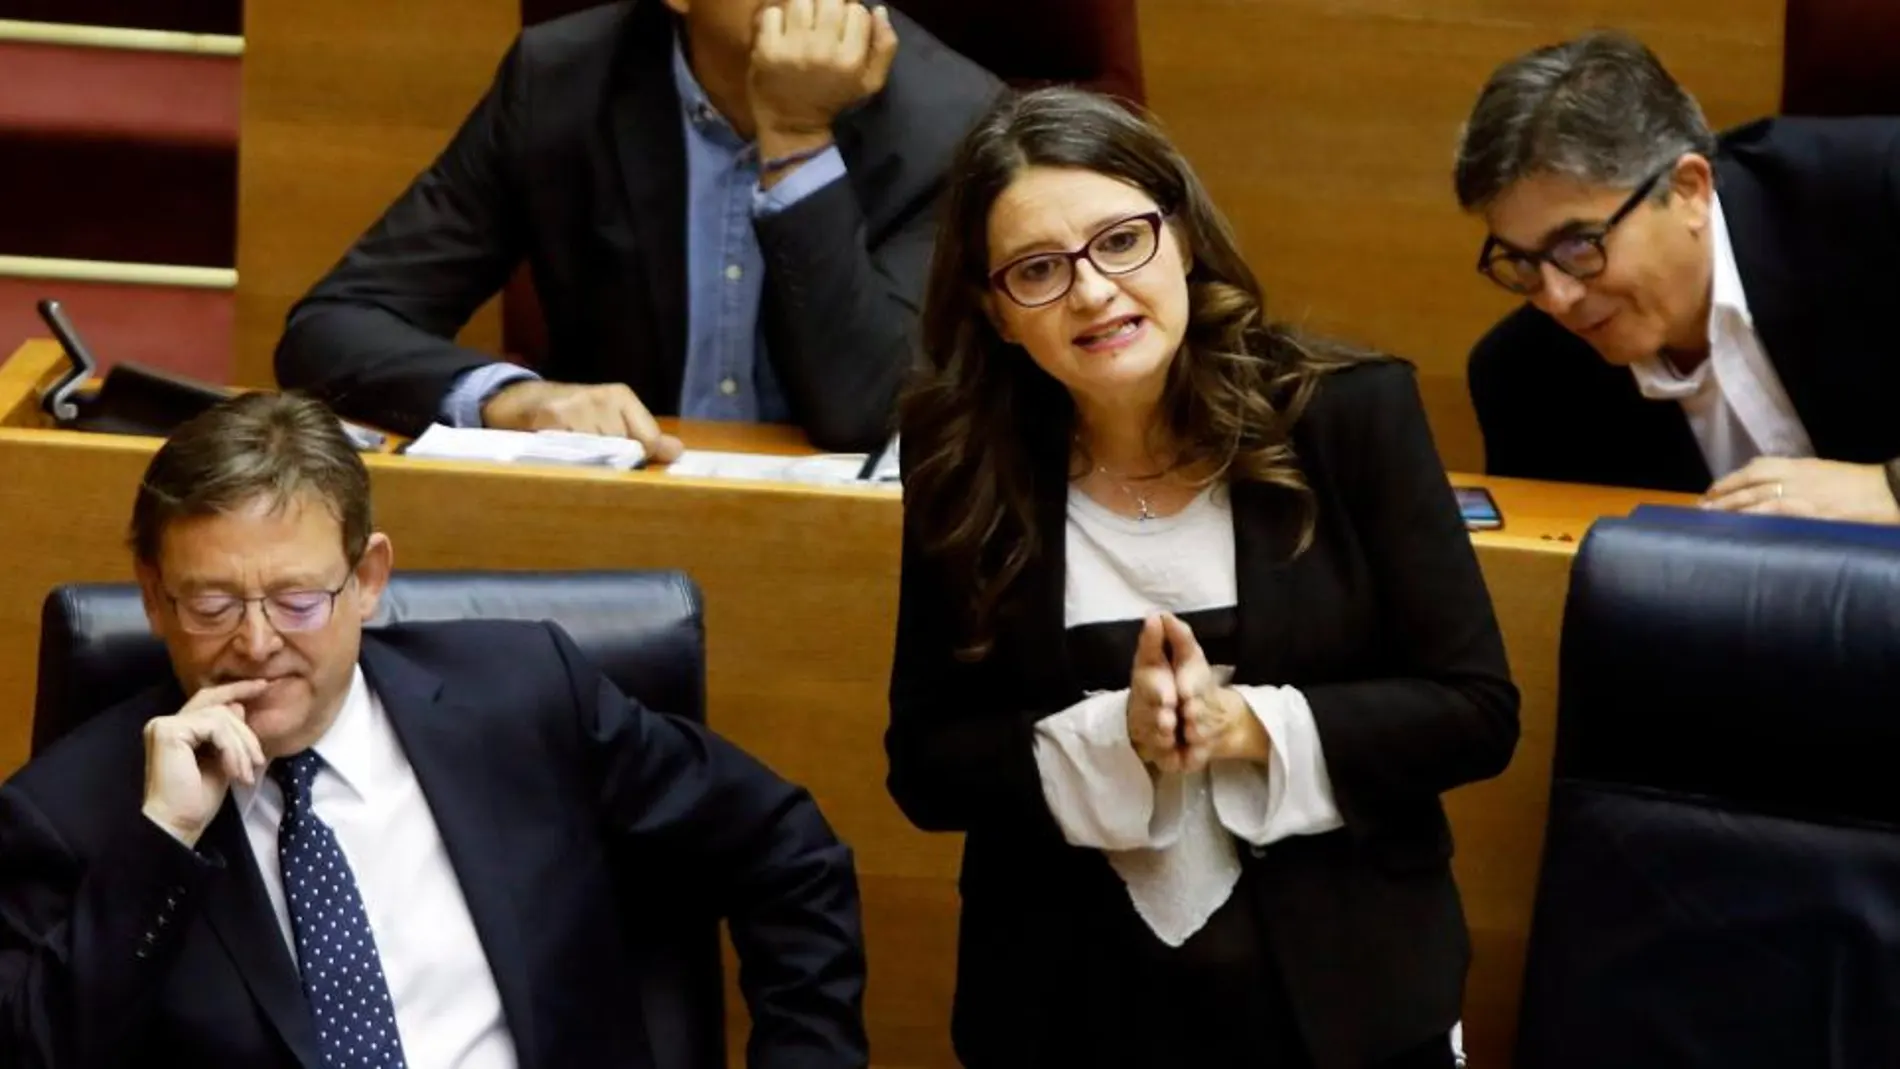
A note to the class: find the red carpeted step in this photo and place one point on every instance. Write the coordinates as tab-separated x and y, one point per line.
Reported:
185	331
122	156
171	97
117	155
139	202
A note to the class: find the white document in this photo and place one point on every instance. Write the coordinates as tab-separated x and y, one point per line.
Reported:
835	469
527	447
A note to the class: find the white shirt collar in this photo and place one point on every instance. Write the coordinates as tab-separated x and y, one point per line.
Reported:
1727	294
1655	377
350	748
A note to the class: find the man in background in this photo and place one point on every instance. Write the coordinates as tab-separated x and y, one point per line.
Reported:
727	207
1703	314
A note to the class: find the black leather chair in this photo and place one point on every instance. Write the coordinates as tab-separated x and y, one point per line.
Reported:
1721	873
643	629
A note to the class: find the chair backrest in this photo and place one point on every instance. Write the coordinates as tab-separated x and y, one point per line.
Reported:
1841	57
644	630
1721	874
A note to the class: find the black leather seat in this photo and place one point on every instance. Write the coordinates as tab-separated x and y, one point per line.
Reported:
643	629
1721	872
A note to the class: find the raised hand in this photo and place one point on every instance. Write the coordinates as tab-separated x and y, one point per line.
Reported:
193	756
812	59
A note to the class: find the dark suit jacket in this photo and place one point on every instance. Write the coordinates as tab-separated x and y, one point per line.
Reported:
1384	624
575	162
1813	210
558	799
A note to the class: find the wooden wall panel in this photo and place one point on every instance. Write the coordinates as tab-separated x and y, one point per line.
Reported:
1325	129
344	102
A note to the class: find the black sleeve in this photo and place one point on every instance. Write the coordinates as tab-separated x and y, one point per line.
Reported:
375	337
85	946
758	846
1448	714
843	312
961	746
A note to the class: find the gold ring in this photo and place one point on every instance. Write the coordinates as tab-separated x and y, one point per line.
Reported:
1778	491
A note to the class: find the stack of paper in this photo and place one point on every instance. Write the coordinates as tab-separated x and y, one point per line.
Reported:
527	447
838	469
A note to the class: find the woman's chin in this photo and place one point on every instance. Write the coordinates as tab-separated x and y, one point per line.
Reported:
1124	370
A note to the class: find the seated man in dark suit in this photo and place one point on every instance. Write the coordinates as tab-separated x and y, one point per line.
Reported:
321	846
728	207
1703	314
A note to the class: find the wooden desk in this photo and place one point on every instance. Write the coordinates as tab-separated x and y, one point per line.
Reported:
800	588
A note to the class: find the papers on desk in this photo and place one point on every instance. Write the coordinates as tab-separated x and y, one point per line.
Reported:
527	447
837	469
589	450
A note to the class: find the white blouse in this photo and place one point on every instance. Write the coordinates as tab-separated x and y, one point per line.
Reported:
1171	837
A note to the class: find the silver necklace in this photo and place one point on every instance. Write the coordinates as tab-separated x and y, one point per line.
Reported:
1142	511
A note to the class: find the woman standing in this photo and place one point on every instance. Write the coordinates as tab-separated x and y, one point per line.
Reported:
1191	636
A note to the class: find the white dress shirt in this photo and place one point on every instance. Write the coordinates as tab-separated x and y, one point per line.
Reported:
1171	837
448	1011
1735	403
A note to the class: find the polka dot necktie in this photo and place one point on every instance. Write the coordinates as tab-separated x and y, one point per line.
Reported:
342	974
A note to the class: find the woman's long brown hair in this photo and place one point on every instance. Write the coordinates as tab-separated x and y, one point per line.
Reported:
980	412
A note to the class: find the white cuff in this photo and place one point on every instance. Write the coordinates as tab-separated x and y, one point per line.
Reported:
1292	794
1100	793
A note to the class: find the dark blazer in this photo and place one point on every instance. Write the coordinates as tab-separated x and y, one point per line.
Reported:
558	799
575	162
1813	210
1384	624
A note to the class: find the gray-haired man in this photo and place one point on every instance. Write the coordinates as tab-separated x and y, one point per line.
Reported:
1706	314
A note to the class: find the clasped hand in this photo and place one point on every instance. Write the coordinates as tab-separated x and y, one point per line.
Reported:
1180	717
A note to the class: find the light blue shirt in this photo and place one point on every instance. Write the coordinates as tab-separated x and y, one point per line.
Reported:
728	374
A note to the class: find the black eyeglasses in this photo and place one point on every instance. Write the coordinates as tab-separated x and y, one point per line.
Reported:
1578	254
1119	248
289	611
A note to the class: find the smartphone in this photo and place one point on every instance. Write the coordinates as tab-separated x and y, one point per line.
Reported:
1479	508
